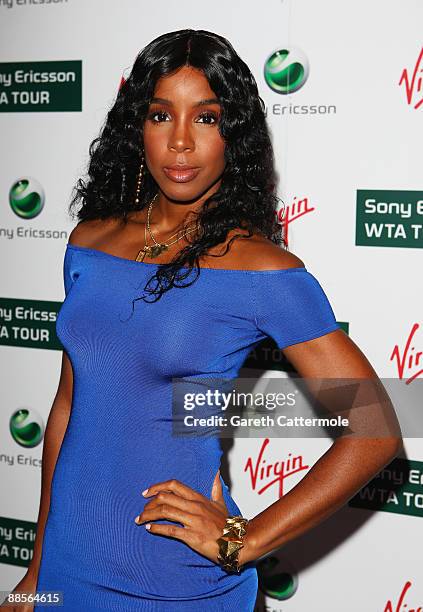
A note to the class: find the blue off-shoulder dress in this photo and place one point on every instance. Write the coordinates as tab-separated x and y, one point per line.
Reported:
119	440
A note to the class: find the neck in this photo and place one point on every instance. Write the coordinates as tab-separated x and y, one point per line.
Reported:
167	214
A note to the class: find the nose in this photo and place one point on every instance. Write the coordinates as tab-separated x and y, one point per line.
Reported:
181	138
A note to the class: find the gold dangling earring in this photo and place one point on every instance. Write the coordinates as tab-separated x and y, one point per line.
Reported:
139	181
123	187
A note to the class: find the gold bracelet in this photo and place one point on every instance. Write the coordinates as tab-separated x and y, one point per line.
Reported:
231	542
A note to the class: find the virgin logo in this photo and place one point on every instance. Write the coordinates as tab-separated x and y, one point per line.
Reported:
264	475
409	361
413	83
401	605
291	213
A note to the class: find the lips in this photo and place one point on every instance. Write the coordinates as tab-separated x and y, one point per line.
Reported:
181	173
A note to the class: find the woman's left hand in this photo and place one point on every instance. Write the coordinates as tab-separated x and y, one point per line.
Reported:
202	519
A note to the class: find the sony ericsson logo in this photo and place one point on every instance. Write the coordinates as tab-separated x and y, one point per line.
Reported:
18	3
277	578
26	427
52	86
389	218
26	198
286	70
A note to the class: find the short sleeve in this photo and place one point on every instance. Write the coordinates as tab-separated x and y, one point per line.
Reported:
67	278
291	306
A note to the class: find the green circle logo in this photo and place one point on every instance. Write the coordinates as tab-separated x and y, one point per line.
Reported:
277	579
26	198
26	427
286	70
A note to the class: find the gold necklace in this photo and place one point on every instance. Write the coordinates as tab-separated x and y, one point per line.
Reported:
158	247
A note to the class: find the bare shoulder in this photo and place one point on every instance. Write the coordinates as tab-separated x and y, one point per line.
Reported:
266	255
255	253
87	233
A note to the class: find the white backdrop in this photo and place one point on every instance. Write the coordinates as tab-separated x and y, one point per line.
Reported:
354	125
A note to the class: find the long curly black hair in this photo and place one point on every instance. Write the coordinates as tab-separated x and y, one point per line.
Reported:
247	196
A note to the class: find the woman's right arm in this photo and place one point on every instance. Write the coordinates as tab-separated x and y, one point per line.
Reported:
53	437
55	431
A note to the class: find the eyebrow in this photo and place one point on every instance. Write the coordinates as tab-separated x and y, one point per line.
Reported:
200	103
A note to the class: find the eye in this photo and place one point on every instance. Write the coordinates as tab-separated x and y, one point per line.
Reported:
210	117
159	113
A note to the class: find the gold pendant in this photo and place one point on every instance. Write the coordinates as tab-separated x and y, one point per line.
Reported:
142	253
151	251
157	249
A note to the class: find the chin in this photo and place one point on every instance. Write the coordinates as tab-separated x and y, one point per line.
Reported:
181	193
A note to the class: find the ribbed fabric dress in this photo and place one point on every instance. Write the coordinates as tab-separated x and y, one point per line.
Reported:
119	439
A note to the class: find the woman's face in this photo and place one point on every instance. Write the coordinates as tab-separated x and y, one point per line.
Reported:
181	129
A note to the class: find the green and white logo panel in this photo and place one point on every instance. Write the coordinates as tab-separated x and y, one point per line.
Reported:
389	218
29	323
41	86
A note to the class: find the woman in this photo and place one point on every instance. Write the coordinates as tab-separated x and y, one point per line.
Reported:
175	270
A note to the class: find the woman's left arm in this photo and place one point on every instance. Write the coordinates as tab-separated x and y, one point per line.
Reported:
342	470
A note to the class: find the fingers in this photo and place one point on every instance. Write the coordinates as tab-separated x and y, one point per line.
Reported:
202	519
169	530
174	486
217	493
166	497
171	506
168	512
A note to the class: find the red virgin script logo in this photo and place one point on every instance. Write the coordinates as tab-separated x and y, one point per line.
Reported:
292	212
269	474
413	83
401	605
409	361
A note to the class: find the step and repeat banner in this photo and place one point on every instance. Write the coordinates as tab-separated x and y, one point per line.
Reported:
342	85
